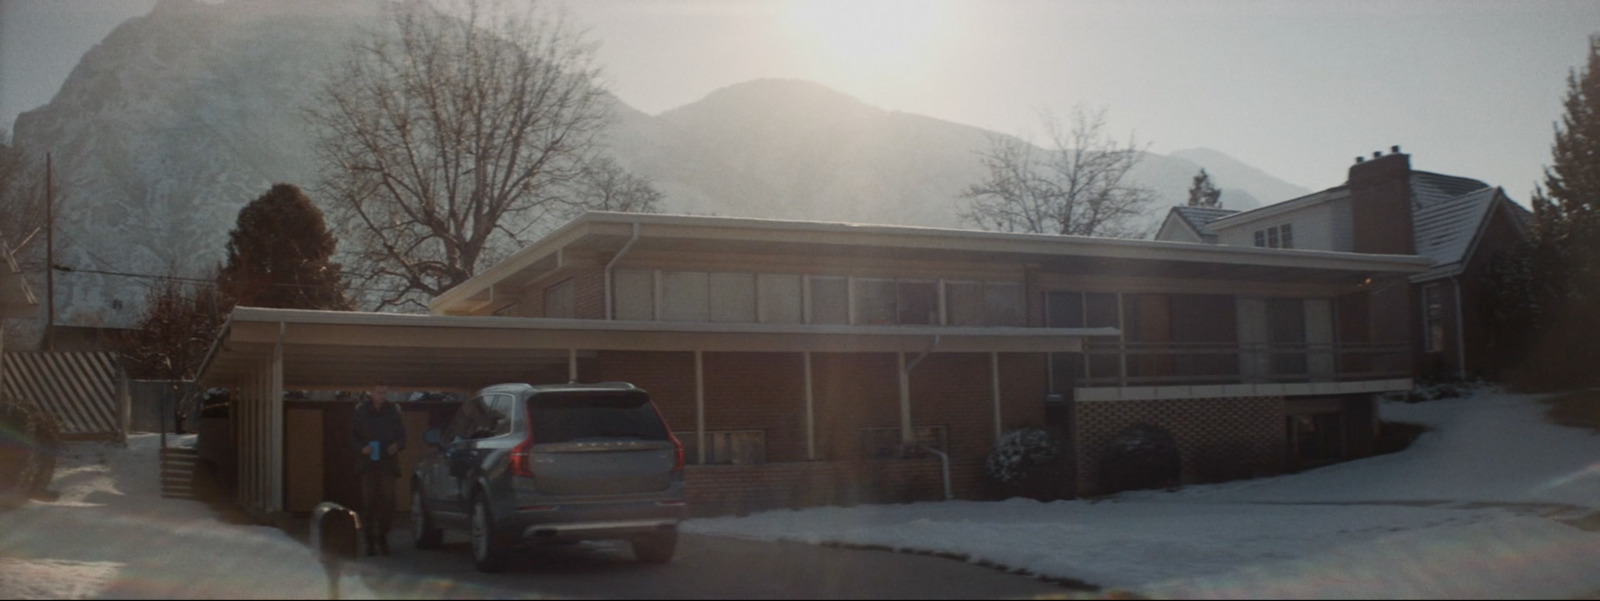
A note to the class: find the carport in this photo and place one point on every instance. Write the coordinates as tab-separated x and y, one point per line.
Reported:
260	353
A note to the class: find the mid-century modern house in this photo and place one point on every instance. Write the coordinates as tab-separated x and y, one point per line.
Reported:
808	363
1386	207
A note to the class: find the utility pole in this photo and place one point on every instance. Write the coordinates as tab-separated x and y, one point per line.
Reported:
49	255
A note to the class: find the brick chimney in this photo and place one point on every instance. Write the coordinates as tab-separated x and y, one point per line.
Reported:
1380	204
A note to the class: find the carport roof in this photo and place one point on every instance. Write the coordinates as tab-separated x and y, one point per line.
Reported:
345	350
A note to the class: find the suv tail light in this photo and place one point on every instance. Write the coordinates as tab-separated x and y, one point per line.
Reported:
521	457
677	446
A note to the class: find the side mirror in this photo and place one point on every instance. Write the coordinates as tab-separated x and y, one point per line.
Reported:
432	438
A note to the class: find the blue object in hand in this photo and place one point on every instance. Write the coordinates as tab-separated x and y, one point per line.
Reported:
377	450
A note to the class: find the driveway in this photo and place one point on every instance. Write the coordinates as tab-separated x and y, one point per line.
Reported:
705	567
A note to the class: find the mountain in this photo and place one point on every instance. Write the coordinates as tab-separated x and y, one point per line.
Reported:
179	118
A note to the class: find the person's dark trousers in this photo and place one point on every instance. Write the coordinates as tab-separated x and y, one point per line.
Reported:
377	509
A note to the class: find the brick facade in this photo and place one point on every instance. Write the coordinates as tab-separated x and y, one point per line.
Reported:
737	489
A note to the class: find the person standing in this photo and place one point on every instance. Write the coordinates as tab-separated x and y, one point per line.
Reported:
379	435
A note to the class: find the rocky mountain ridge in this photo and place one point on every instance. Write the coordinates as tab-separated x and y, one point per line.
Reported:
175	121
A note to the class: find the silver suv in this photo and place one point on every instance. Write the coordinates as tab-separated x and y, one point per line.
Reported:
524	464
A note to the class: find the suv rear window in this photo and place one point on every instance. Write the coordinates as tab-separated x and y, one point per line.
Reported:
570	417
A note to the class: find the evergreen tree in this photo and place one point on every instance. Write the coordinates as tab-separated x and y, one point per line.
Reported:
1545	294
1203	194
278	255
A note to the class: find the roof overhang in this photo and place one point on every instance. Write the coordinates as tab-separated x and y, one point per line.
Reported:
606	234
1279	208
335	349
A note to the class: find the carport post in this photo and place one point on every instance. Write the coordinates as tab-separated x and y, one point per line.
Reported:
700	407
994	376
275	401
907	435
811	417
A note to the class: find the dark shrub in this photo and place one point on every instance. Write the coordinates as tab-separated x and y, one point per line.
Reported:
1030	462
1142	456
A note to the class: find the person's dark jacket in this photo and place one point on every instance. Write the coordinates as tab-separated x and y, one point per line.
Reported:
380	424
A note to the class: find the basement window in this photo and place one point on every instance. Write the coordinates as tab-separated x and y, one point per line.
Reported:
726	447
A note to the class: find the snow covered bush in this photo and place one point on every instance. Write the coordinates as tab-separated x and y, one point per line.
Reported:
1025	462
1142	456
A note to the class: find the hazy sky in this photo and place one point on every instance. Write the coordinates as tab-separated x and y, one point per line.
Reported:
1297	89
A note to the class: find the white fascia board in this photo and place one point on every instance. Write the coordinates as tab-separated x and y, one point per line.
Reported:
1276	209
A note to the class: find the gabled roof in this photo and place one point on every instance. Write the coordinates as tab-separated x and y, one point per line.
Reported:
1198	218
1447	230
1275	209
1428	188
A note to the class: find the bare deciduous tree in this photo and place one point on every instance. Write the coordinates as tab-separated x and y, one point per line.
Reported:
449	138
603	185
1078	186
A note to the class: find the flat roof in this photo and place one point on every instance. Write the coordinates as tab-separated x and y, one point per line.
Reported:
609	232
349	349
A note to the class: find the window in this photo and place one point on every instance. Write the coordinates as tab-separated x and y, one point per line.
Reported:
558	300
481	417
875	302
778	298
727	447
1278	236
1433	318
985	304
830	301
684	296
571	417
918	303
1003	304
884	443
732	297
635	295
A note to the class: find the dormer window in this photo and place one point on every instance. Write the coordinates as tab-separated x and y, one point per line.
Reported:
1278	236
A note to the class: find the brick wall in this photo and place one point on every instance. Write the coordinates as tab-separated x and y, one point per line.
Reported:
589	294
852	391
759	391
667	375
737	489
955	391
1231	434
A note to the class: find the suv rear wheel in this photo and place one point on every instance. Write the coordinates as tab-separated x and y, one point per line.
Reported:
489	550
424	533
655	548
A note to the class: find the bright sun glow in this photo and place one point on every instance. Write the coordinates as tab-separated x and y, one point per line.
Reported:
869	35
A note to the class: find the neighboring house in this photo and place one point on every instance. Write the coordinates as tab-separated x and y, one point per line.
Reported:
1385	207
807	363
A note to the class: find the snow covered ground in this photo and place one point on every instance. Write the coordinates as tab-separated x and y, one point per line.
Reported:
112	535
1476	508
1473	509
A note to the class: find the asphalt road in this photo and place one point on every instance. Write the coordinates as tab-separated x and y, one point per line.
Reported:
705	567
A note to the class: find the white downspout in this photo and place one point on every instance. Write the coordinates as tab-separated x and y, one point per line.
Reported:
613	263
907	436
